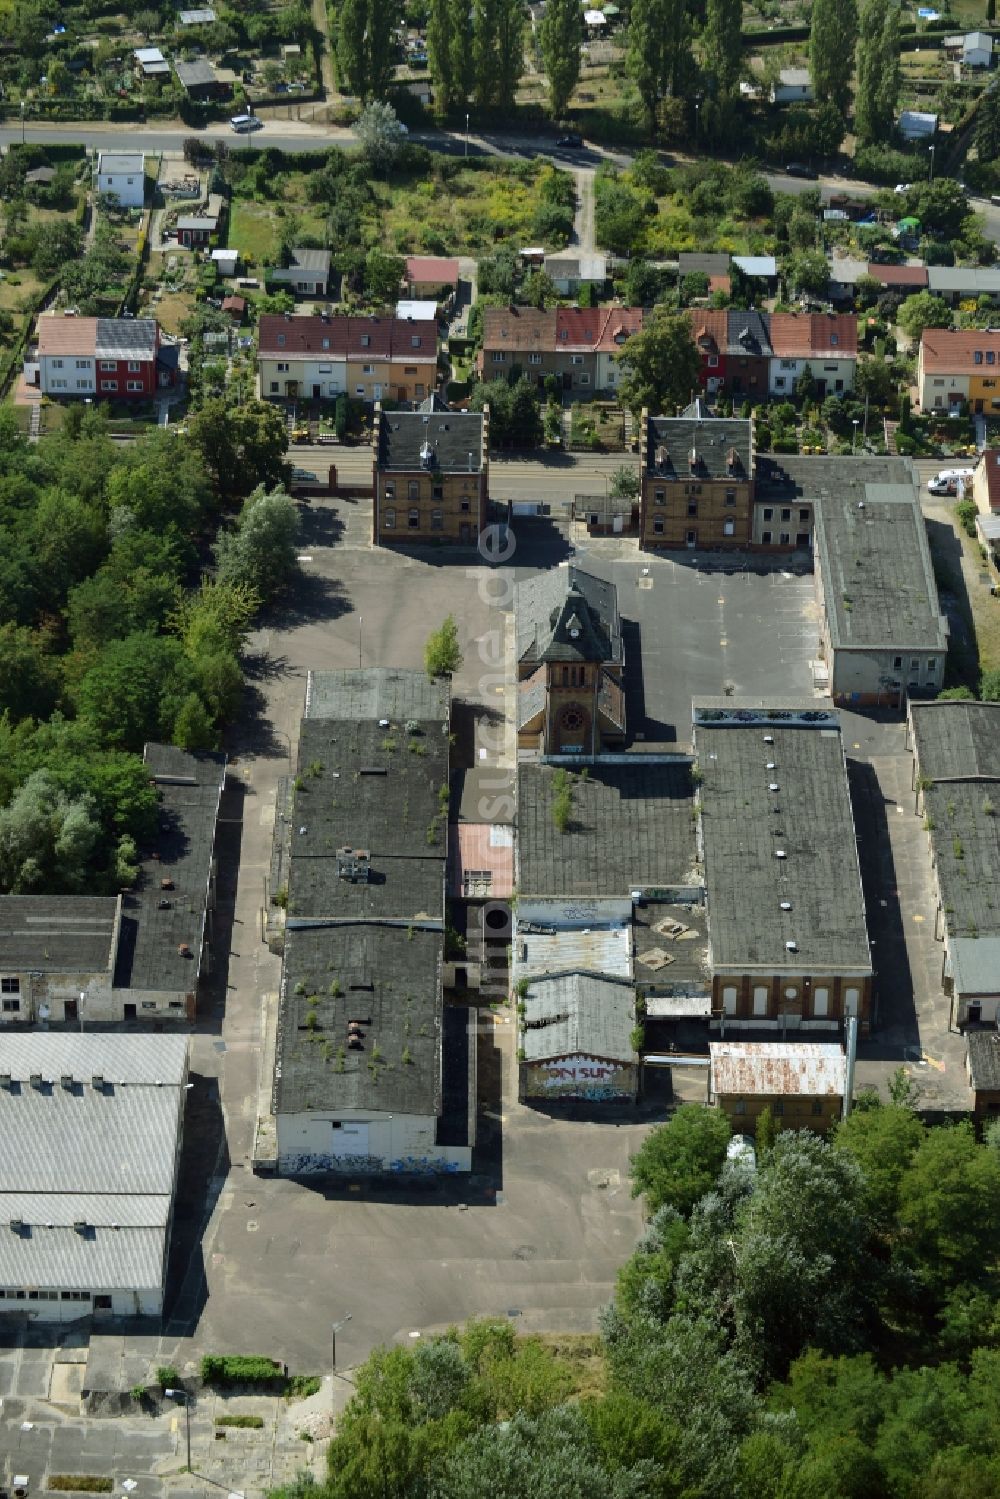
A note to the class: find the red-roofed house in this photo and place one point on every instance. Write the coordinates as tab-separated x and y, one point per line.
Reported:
986	483
709	328
108	358
825	341
579	346
432	276
905	279
369	358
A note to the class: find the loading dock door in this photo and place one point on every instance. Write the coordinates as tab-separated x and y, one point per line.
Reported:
350	1139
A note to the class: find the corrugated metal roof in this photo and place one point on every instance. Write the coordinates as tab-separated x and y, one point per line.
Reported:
595	950
119	1140
578	1013
121	1058
772	1068
975	965
81	1139
99	1209
105	1259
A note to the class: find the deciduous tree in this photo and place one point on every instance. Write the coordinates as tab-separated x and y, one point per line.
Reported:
878	74
659	364
679	1161
442	652
832	38
722	41
560	36
259	553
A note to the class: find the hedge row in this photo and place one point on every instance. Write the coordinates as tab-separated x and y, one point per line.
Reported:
234	1369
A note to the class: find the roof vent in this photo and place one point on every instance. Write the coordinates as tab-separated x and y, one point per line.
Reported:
792	946
861	504
354	1043
16	1225
5	1080
772	786
183	951
97	1082
786	905
779	853
769	765
68	1081
768	738
81	1225
163	905
427	455
354	864
383	723
36	1079
166	883
662	457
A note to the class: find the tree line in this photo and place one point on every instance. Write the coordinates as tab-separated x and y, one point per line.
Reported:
129	576
684	57
822	1325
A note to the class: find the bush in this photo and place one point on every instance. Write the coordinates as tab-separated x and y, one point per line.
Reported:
966	512
80	1483
223	1370
250	1421
167	1376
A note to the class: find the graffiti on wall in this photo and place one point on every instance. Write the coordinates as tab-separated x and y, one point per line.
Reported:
306	1163
580	1077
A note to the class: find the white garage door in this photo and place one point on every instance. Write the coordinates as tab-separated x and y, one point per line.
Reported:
350	1139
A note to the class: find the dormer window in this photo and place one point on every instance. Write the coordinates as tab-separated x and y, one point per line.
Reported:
415	340
834	339
281	340
991	358
978	356
325	342
365	340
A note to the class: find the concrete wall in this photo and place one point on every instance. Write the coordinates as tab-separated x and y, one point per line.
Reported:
54	990
50	1305
858	676
311	1144
594	1079
834	376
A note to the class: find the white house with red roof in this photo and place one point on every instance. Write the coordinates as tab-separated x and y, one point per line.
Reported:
370	358
826	341
104	358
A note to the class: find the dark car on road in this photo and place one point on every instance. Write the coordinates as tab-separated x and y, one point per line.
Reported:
573	141
799	169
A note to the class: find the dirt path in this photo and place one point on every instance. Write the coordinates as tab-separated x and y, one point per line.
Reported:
321	21
583	222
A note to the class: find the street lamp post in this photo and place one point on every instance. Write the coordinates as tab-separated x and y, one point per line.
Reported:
360	638
22	122
931	150
334	1329
184	1399
466	132
854	435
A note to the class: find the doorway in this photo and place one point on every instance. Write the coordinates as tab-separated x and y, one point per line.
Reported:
71	1009
317	392
129	1012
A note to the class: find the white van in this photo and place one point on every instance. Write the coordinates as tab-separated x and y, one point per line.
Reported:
242	124
951	480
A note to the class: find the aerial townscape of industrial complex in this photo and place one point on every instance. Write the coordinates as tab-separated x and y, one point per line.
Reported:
500	749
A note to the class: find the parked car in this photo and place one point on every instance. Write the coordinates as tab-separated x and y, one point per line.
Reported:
243	124
799	169
902	187
740	1150
304	476
572	142
950	480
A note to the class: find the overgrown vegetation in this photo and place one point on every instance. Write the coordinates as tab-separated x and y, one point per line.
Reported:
225	1370
821	1327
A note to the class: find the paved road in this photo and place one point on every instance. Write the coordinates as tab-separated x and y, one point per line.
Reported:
554	478
296	135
